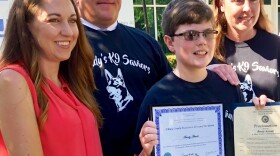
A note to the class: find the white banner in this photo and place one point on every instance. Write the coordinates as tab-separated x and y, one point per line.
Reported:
4	11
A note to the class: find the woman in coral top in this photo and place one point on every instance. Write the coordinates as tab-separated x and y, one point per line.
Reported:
46	81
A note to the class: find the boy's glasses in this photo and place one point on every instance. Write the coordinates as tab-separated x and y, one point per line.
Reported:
192	35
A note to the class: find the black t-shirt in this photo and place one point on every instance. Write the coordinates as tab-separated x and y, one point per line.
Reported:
173	90
127	63
256	62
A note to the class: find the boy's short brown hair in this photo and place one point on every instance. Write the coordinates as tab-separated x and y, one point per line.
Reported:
180	12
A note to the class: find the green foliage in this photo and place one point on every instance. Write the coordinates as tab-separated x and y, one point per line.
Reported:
139	19
141	2
149	2
140	24
159	30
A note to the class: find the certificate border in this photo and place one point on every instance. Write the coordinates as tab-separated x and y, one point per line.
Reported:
245	104
217	107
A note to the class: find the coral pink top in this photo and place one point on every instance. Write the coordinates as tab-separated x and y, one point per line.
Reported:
70	128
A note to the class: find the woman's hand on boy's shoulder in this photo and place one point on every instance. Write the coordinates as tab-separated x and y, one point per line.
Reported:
226	72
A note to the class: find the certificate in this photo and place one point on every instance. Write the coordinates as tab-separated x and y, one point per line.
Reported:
257	132
189	130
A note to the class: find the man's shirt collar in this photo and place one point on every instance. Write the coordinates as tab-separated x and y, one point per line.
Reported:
110	28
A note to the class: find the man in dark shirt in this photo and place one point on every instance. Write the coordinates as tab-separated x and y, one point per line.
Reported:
127	63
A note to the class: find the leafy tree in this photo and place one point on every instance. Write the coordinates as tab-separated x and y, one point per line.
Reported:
139	19
140	24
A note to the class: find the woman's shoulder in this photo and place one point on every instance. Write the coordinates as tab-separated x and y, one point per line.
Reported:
267	36
12	75
15	68
13	84
9	74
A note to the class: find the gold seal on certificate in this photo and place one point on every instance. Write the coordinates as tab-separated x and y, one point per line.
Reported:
189	130
257	131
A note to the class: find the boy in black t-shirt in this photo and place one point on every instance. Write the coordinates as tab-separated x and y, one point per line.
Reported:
189	34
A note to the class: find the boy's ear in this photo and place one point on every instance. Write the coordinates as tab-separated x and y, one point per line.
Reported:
169	43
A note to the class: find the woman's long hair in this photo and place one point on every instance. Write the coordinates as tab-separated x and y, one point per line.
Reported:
221	25
20	46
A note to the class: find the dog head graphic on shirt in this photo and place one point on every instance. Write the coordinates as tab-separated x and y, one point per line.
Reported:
247	88
117	90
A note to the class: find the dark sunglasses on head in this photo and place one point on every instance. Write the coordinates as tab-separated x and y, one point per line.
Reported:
192	35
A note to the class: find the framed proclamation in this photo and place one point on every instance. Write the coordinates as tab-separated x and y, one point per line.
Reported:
189	130
257	131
